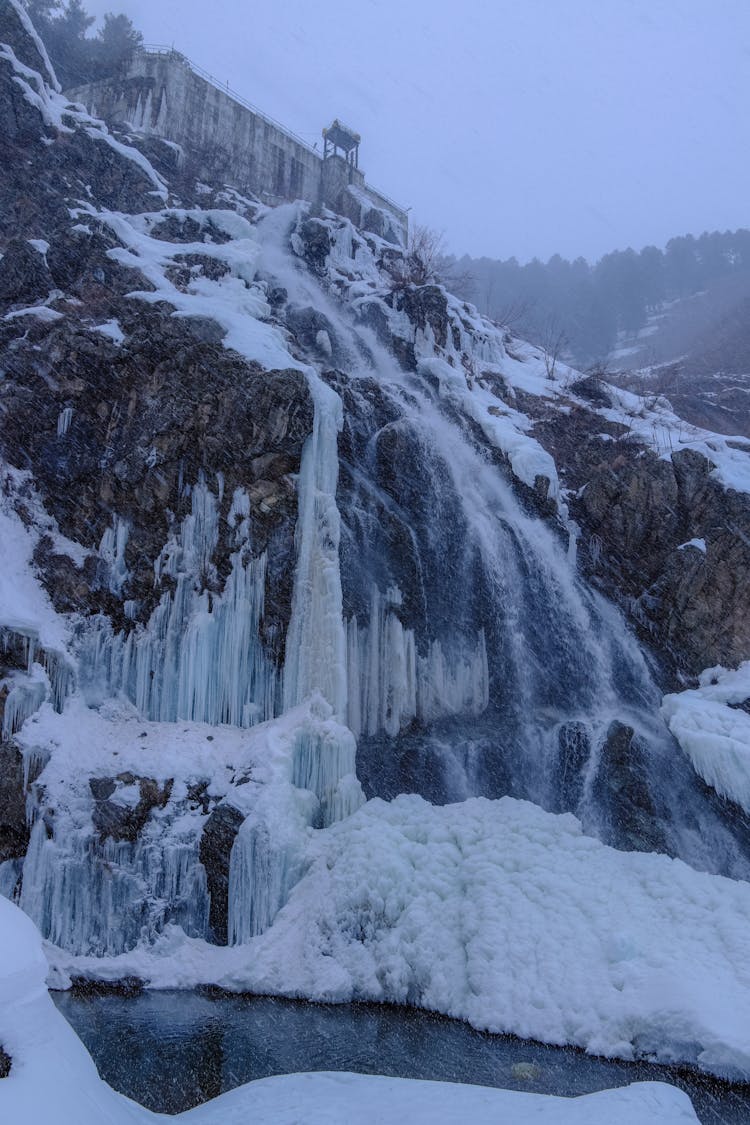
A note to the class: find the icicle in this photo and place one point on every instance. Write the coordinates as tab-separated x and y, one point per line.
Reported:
103	897
323	761
390	684
26	694
264	866
10	875
315	644
35	758
112	553
314	785
63	421
453	687
200	657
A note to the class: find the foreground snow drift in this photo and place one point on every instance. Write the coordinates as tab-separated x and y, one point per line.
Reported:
354	1099
504	915
53	1079
712	726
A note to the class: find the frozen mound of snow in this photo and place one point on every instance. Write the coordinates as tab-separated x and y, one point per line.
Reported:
54	1080
714	731
503	915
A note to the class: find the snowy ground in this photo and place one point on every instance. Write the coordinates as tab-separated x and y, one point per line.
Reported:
54	1080
713	728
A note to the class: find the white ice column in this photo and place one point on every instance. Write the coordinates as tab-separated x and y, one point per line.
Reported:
315	642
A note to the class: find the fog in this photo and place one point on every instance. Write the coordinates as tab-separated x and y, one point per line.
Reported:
526	128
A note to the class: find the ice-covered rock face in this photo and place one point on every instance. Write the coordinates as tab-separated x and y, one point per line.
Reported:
258	473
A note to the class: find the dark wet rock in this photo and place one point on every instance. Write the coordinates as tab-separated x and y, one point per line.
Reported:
374	222
123	986
16	35
306	323
24	276
425	305
197	794
5	1063
373	314
215	848
14	831
621	788
20	121
102	787
593	389
277	296
124	821
574	746
204	265
637	512
315	244
161	410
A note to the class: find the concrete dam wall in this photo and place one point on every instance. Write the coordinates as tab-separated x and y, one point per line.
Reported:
164	94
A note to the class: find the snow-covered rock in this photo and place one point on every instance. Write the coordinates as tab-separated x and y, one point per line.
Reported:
712	725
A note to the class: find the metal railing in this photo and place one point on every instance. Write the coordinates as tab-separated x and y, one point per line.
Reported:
225	88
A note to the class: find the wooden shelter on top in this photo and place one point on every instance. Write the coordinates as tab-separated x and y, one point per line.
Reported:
338	137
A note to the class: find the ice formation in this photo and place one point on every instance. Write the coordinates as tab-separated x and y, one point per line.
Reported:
307	780
390	685
200	657
64	420
93	886
316	646
712	725
26	692
503	915
112	546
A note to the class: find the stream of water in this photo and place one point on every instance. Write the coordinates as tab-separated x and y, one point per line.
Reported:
171	1051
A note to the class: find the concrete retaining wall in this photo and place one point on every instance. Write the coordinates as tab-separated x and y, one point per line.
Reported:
163	94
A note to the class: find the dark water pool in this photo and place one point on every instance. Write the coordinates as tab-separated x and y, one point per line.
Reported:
171	1051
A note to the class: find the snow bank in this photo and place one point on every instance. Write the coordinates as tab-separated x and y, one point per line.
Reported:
236	302
357	1099
52	1077
54	1080
714	731
503	915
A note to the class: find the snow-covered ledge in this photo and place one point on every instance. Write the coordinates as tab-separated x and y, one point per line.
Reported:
712	725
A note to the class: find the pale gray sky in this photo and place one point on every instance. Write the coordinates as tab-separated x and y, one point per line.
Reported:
523	127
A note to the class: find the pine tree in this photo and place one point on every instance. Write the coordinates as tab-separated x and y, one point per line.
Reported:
115	44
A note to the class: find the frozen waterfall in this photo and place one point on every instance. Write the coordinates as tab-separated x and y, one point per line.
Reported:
200	657
316	643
